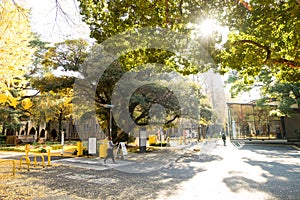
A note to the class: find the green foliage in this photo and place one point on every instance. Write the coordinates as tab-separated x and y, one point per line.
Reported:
68	55
41	48
176	15
263	50
2	137
42	150
52	83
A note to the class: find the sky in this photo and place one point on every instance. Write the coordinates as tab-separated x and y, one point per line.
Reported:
52	24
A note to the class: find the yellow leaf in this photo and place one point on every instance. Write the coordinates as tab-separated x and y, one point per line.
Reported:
26	104
3	98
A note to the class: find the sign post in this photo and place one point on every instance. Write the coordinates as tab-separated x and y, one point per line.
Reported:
143	140
62	142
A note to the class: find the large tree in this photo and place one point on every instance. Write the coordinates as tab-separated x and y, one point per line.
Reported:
263	49
110	18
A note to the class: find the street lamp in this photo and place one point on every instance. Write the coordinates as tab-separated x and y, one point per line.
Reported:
110	116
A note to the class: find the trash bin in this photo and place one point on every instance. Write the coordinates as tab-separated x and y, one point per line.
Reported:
152	139
103	148
79	149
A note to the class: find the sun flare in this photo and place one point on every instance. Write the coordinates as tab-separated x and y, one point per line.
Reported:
208	26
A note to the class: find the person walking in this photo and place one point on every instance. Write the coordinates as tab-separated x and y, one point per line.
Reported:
224	138
110	151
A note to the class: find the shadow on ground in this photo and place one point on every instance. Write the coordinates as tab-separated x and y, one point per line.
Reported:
114	184
281	175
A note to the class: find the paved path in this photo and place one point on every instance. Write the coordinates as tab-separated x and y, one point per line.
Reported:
259	172
252	172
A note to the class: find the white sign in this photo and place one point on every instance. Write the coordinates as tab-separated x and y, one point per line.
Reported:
92	145
124	150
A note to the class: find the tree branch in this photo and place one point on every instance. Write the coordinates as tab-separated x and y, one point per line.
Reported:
290	63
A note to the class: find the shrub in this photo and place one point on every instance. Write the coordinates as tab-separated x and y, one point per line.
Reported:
158	144
85	152
75	152
2	137
42	150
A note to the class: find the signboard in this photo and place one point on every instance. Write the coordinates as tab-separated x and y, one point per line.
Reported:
124	150
92	145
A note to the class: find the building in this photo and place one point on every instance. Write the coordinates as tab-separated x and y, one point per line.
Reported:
249	121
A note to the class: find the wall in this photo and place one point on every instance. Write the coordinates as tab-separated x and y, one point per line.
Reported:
291	124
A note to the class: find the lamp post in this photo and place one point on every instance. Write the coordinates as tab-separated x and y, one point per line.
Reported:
109	106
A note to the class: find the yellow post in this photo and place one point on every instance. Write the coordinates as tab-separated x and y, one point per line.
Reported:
14	167
180	140
26	149
49	158
79	149
43	161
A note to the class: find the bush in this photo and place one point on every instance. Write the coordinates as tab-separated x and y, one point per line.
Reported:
42	150
85	152
3	138
11	149
131	139
74	152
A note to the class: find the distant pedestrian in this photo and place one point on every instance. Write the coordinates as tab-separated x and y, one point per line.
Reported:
110	151
224	138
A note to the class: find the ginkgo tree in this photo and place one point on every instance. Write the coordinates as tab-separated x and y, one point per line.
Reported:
15	53
15	58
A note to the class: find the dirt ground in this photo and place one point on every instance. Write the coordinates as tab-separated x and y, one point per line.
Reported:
20	186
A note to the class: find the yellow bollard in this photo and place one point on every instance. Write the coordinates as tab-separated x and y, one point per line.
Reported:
49	158
180	140
26	149
14	165
27	160
43	160
79	149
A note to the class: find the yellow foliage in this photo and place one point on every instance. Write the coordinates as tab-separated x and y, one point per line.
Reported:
3	98
27	104
15	53
12	101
